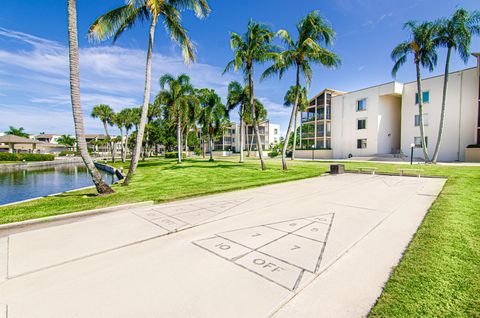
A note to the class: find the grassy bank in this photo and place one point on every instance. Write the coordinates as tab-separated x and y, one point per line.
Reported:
439	275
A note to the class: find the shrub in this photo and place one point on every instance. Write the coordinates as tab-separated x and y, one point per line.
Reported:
197	151
5	156
273	154
66	153
473	146
174	155
34	157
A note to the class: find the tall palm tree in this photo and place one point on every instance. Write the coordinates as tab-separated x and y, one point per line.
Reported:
125	118
107	116
454	33
66	140
118	20
101	186
250	48
119	120
212	115
17	132
314	32
302	103
422	46
178	99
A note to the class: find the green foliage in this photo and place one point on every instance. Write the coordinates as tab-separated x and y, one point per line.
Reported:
67	153
197	151
174	155
25	156
17	132
273	154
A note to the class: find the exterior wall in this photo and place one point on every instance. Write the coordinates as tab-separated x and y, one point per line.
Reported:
273	134
382	110
269	133
460	117
314	154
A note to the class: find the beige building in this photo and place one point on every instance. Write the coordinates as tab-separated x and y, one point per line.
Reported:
230	139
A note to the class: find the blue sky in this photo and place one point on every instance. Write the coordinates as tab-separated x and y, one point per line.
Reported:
34	91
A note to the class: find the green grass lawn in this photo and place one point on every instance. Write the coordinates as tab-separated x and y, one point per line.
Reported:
439	275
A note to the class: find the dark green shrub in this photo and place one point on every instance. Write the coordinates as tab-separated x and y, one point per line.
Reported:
33	157
5	156
197	151
65	153
174	155
273	154
473	146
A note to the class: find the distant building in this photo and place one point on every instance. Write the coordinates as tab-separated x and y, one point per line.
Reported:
230	139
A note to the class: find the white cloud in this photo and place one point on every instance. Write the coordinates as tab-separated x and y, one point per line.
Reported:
34	74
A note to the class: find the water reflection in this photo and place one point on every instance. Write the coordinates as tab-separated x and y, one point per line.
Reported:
36	182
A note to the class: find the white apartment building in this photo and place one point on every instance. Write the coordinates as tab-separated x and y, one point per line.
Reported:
230	139
384	119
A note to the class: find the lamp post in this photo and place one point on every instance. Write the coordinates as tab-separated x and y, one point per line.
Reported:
313	152
411	153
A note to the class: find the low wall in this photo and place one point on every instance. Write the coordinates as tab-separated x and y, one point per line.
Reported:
472	155
110	169
38	164
314	154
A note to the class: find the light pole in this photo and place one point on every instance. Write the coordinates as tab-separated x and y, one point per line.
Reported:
313	152
411	153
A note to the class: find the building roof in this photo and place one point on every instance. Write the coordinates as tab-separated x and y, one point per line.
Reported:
46	136
12	139
92	136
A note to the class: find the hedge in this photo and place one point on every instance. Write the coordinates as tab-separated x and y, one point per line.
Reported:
25	156
174	155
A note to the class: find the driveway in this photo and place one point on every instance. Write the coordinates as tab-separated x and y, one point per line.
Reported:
320	247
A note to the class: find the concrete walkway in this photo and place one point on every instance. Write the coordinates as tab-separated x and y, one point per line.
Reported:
321	247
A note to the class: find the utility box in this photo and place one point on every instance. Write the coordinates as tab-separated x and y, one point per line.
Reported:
337	169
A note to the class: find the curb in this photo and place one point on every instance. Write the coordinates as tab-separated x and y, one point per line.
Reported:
63	218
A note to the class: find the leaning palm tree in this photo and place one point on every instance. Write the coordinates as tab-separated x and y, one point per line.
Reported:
422	46
302	103
456	34
250	48
212	115
313	33
107	116
113	23
178	100
101	186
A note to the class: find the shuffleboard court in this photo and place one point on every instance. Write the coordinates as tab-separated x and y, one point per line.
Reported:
317	247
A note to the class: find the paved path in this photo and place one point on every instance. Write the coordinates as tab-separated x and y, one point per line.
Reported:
319	247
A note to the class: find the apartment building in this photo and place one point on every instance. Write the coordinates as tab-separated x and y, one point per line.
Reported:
384	119
230	139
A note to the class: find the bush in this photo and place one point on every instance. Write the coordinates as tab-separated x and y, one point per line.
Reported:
66	153
273	154
197	151
174	155
473	146
25	156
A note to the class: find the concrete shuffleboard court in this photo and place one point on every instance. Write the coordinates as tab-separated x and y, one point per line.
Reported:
320	247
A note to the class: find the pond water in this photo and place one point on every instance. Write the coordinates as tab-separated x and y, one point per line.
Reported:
37	182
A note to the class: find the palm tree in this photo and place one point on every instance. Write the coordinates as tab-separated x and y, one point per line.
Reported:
313	32
125	118
212	115
422	46
17	132
119	120
238	97
118	20
101	186
107	117
302	103
252	47
179	100
67	141
454	34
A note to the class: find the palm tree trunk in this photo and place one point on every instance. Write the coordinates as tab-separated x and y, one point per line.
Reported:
294	135
290	124
110	141
122	145
248	142
442	114
101	186
179	140
255	122
241	134
146	99
420	111
210	139
186	142
125	146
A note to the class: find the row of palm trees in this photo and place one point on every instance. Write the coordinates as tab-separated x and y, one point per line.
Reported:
455	34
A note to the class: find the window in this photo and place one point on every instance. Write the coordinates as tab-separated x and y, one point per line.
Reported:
418	142
361	104
425	97
425	120
361	143
361	124
275	131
